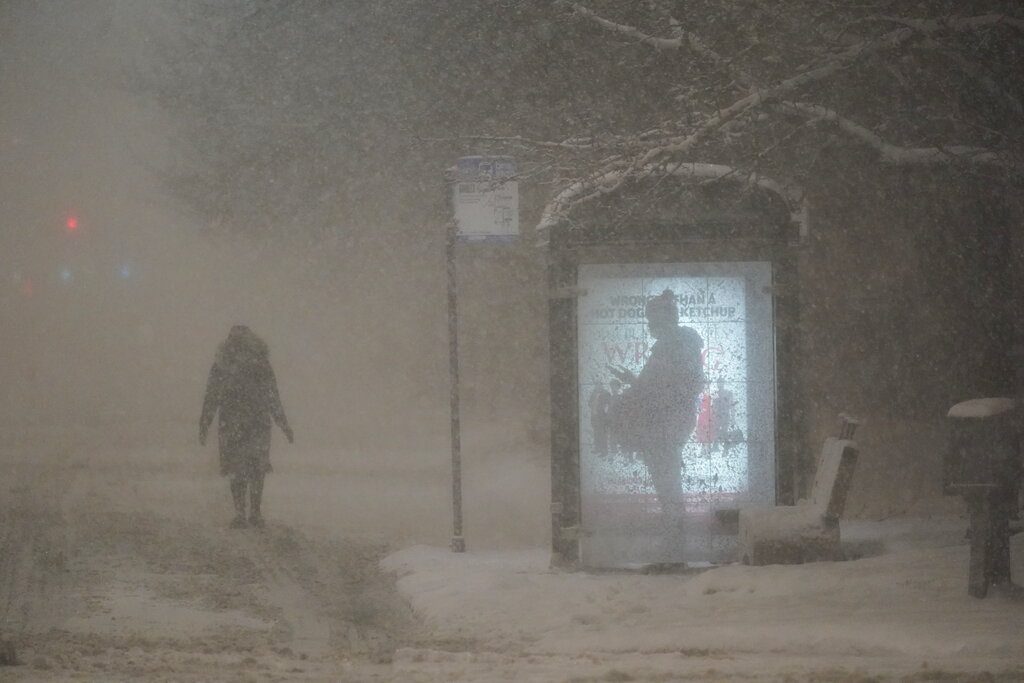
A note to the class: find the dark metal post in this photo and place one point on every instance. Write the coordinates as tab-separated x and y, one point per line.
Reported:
793	457
565	451
458	544
983	465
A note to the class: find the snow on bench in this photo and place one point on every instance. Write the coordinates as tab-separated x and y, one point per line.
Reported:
809	530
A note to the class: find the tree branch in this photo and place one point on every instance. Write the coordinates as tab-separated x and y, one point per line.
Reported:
978	73
831	65
571	144
680	37
611	176
583	191
930	26
628	31
896	154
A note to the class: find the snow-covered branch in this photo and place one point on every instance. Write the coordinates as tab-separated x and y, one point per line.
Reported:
981	21
582	191
825	69
571	144
628	31
980	75
896	154
680	37
830	66
659	154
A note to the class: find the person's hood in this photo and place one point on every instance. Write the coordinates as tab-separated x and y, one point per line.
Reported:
242	342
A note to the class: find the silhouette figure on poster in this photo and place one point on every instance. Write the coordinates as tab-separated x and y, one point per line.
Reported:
704	434
242	389
600	403
724	431
656	412
716	428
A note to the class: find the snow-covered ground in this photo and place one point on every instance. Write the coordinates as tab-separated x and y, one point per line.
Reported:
118	565
900	610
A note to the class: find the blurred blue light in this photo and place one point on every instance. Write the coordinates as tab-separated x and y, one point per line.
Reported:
124	271
66	275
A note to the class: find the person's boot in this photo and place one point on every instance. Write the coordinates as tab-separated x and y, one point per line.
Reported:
238	496
255	499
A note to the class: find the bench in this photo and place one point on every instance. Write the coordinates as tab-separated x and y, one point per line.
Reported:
809	530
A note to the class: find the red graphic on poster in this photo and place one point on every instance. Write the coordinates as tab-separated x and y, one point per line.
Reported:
705	432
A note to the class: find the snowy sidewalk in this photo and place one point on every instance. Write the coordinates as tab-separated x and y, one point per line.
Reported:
906	606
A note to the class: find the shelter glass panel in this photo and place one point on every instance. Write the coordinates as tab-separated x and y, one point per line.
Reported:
677	408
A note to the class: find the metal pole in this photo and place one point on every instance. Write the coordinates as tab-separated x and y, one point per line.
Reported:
458	544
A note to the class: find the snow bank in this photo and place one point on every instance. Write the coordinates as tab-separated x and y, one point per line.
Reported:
909	602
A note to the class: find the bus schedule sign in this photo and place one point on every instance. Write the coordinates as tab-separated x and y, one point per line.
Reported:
485	197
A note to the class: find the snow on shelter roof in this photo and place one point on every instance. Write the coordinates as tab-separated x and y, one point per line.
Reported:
982	407
561	205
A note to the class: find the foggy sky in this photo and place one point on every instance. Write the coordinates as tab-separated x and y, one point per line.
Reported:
124	315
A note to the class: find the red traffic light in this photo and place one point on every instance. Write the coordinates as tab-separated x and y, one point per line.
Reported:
71	223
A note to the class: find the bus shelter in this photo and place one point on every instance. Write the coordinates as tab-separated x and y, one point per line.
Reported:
674	399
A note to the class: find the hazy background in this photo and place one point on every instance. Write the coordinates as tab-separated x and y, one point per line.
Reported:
108	331
280	164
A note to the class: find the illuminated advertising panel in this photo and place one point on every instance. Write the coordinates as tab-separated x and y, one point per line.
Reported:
677	407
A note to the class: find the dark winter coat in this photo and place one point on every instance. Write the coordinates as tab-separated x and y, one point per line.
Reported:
658	410
242	389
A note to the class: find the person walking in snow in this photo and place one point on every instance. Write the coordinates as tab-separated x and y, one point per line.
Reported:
242	390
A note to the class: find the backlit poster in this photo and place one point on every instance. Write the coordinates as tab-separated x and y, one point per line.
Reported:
677	408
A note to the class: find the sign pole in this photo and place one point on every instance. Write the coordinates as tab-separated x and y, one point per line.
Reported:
483	203
458	544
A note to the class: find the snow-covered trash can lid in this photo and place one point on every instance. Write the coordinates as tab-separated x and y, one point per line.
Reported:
982	407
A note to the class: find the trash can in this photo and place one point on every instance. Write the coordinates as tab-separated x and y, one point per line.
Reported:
983	465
